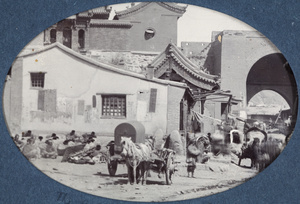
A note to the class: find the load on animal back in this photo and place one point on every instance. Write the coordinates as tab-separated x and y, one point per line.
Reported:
197	146
174	142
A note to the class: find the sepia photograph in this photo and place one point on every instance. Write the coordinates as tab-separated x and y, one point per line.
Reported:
169	98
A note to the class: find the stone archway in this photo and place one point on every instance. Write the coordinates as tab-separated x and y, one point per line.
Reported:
272	72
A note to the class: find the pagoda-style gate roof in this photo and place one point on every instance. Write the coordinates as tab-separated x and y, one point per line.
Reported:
172	61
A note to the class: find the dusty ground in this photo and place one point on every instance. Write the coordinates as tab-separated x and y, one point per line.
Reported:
218	175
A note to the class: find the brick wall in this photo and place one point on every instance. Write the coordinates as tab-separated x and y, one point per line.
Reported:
101	38
161	20
240	51
135	62
193	48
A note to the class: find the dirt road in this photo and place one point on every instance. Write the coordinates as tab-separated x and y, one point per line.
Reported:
216	176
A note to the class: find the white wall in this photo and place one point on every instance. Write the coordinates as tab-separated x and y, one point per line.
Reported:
75	79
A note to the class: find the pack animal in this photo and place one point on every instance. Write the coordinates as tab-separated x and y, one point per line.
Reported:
137	157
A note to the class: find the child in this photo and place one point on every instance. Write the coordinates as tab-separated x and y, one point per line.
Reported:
191	166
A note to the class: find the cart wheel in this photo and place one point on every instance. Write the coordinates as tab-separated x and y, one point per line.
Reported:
112	167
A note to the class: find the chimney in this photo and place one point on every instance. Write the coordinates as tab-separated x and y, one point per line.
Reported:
150	72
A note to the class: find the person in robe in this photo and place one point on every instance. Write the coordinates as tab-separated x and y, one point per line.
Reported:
30	150
50	151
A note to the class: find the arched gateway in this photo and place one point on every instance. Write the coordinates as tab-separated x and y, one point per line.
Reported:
272	72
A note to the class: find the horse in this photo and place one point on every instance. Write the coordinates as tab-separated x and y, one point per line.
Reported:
138	158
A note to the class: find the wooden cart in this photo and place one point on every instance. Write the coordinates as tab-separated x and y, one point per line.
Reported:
162	161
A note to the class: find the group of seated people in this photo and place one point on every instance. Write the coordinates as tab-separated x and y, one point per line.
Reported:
35	148
74	148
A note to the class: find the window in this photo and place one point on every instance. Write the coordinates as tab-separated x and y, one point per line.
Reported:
80	110
37	79
53	35
114	105
223	108
81	38
67	37
152	103
149	33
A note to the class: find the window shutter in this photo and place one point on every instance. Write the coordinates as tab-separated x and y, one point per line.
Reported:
80	107
47	100
152	103
94	101
41	100
50	100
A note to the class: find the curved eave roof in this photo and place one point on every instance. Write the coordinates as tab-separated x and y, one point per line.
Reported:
170	6
96	11
183	61
100	65
173	7
110	23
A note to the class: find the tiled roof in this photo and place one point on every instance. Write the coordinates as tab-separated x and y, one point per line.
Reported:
95	11
265	110
101	65
171	6
110	23
172	51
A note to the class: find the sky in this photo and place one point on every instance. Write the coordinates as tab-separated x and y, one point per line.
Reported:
197	23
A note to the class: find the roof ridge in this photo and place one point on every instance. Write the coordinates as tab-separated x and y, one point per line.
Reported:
193	66
99	64
174	52
111	22
173	6
94	11
168	5
132	9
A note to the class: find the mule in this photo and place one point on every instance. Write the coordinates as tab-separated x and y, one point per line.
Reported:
251	151
138	159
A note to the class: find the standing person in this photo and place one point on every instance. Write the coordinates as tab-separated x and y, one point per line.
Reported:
191	166
256	153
